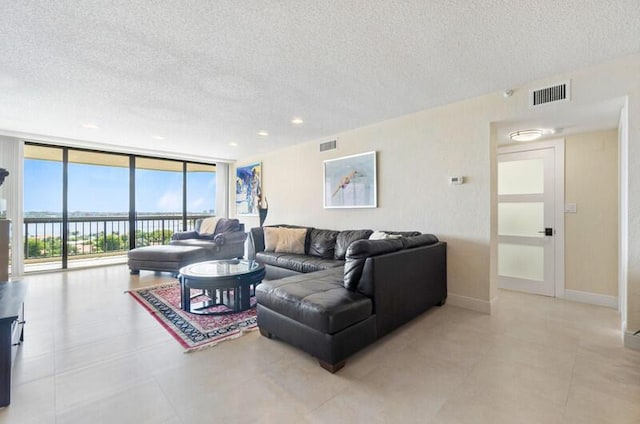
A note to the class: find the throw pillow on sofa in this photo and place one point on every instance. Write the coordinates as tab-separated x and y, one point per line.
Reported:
270	238
291	240
381	235
284	240
208	226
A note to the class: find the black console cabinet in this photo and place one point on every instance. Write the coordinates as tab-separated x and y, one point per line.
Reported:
11	332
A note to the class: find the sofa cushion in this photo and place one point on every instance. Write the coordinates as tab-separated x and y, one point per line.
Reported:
257	240
403	233
318	300
291	240
345	238
185	235
165	257
296	262
358	253
205	244
421	240
323	243
167	252
226	225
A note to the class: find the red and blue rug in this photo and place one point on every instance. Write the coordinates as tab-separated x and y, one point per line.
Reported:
193	332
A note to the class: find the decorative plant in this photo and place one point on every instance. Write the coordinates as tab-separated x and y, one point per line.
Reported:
3	174
263	208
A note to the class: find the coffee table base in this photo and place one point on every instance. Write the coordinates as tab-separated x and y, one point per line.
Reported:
239	301
218	280
220	297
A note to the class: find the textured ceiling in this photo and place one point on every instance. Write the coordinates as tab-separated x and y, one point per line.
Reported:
203	74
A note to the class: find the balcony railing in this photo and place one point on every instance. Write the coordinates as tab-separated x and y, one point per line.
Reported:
97	236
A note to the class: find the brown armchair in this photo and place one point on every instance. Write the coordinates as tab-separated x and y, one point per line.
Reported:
187	247
227	242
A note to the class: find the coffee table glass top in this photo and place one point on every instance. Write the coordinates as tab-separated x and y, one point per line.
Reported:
221	268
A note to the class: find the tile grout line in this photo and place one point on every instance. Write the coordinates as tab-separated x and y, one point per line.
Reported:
168	398
573	368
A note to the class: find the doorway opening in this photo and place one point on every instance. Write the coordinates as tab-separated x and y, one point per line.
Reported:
587	229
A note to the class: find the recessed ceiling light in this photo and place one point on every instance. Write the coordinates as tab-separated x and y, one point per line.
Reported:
90	126
233	144
263	133
526	135
157	137
297	121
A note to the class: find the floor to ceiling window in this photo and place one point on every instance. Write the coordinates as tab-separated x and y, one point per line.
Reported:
43	179
201	183
80	204
98	204
159	200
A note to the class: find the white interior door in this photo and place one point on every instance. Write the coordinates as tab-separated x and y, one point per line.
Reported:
526	215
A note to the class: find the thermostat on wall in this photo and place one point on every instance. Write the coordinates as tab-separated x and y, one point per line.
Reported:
456	180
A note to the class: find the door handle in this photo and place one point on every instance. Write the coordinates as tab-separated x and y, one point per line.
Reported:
548	231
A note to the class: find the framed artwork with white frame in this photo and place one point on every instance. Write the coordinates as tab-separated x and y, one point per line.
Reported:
351	181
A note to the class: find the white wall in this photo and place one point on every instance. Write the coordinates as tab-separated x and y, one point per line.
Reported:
415	159
591	234
623	211
11	153
416	155
633	272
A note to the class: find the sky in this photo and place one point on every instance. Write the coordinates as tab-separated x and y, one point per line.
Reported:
95	188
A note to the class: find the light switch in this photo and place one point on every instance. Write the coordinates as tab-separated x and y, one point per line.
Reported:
570	208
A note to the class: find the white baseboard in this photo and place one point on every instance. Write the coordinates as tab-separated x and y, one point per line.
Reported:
592	298
471	303
632	341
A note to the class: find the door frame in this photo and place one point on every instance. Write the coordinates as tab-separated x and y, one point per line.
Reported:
558	145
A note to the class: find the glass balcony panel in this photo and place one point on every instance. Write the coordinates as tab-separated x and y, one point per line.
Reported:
43	206
158	194
201	189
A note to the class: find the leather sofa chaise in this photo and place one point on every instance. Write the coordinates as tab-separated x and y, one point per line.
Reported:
346	291
188	247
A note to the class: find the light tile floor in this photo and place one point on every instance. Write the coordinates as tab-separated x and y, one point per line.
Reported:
93	355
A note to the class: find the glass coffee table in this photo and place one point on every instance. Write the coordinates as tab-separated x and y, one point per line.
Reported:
224	282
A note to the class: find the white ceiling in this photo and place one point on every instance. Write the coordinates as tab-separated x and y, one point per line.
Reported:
203	74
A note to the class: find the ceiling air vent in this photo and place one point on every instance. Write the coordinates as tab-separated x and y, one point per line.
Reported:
552	94
329	145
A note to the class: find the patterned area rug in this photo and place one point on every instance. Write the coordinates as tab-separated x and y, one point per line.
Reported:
193	332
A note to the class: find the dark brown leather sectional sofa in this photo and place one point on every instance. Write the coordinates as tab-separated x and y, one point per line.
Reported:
347	291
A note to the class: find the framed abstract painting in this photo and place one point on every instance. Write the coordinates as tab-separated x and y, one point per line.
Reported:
350	181
248	189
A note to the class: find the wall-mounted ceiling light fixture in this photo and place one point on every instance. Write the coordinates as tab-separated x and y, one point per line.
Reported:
263	133
526	135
